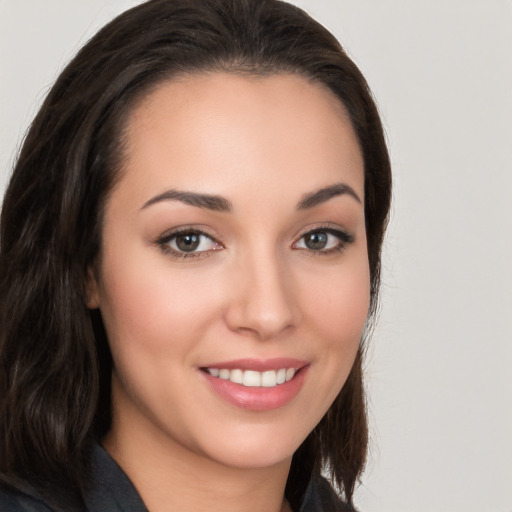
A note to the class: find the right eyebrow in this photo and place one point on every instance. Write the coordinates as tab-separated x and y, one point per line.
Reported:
326	193
210	202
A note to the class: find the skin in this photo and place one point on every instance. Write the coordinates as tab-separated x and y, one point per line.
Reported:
254	290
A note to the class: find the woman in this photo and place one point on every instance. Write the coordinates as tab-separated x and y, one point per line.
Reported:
190	255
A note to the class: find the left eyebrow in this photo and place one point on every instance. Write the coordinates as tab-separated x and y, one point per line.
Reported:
324	194
210	202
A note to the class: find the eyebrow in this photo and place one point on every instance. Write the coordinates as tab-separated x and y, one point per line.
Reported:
210	202
324	194
221	204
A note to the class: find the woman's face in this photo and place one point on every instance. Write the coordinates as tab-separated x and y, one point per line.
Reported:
233	249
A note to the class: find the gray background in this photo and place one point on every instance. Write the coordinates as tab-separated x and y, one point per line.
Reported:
440	364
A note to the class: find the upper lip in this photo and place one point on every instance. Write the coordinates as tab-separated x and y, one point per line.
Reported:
259	365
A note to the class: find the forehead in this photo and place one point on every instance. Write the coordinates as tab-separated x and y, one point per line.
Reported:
200	131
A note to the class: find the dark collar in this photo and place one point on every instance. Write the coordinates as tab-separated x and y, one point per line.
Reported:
111	490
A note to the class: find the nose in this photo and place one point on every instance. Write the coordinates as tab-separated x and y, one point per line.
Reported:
263	301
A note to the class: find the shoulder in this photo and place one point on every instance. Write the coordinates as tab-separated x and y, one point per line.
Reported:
12	500
321	497
108	489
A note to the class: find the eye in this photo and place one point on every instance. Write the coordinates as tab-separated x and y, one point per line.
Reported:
188	243
324	240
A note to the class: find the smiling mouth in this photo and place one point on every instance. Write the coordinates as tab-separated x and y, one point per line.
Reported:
252	378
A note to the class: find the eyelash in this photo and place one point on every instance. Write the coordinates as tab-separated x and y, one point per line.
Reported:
344	239
164	241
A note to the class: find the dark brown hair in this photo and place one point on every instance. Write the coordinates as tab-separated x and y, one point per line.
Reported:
55	363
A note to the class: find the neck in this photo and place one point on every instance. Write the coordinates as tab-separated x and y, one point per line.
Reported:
171	477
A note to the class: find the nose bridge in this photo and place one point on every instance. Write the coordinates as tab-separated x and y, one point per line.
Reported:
263	301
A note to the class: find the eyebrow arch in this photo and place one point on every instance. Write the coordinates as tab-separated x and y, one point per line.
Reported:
210	202
324	194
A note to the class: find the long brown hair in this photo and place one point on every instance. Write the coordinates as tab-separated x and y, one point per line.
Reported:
55	364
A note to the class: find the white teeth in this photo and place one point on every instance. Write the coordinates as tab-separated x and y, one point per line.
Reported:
251	378
269	379
237	376
289	374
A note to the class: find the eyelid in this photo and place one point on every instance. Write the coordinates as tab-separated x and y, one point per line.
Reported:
326	226
345	238
163	242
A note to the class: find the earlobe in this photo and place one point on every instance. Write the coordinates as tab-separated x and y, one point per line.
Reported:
92	296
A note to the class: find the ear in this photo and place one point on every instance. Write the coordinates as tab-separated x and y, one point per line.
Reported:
92	293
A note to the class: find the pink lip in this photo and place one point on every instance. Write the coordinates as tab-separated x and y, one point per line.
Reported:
258	398
259	365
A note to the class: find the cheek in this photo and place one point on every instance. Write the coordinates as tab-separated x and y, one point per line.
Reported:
340	302
150	309
338	309
335	305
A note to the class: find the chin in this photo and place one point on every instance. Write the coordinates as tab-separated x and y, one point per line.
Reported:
256	447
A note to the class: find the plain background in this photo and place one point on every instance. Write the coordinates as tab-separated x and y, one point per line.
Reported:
440	363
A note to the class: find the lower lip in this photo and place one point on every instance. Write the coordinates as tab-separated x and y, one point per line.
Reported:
257	398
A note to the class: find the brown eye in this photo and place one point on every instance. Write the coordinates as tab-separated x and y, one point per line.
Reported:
187	242
316	241
324	241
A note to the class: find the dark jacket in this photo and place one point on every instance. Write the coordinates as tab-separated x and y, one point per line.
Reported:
112	491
